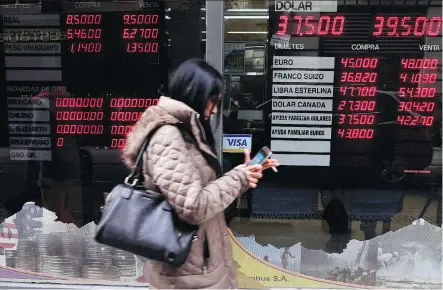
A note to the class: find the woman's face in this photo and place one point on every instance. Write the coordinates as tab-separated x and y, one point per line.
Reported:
211	107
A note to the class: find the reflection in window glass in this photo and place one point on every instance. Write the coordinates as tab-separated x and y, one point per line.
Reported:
351	109
75	77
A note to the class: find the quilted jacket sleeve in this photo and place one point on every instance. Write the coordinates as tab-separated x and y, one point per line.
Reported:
172	170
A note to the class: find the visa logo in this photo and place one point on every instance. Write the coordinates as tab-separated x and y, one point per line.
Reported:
237	142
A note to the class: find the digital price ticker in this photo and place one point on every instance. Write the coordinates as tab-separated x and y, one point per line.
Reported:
92	83
395	26
368	104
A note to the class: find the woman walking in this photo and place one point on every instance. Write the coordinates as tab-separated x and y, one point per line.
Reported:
181	163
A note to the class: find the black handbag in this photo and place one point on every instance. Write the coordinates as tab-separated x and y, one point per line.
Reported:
142	221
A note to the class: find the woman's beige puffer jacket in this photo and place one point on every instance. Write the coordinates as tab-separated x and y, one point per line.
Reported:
183	167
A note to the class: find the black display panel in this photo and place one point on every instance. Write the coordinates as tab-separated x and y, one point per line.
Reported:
359	91
75	75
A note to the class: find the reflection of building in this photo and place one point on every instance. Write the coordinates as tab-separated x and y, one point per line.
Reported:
377	194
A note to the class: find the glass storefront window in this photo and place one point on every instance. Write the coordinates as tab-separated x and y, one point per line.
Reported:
347	95
75	77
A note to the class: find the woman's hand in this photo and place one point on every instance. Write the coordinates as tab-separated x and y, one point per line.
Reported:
268	163
253	172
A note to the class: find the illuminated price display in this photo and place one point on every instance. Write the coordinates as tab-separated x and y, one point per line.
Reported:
309	25
358	78
124	110
107	58
417	92
393	26
385	90
85	116
356	119
140	33
407	26
83	34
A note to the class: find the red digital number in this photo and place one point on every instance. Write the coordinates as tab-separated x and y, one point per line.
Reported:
282	25
416	107
134	47
83	33
125	116
78	116
355	133
417	92
405	26
118	143
147	33
80	129
358	91
359	62
91	47
358	77
426	121
79	102
419	63
356	119
419	78
132	103
74	19
357	105
130	19
309	25
120	130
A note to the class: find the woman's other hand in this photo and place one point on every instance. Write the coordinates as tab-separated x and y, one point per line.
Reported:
253	173
268	163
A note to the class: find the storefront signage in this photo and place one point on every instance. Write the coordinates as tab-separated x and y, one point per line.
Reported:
236	143
300	132
303	62
35	155
302	76
33	47
28	103
31	20
296	43
301	118
299	146
302	105
302	159
30	142
306	6
313	91
29	129
28	116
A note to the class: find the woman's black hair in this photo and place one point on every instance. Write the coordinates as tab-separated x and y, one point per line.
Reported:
195	83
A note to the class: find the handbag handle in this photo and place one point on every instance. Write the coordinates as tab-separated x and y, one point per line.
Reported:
136	172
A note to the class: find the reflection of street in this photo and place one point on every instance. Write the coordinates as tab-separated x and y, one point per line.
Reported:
409	253
285	257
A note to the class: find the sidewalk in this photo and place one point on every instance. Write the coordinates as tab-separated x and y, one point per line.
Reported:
50	286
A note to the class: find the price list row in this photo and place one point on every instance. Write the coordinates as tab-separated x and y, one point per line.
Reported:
108	117
140	32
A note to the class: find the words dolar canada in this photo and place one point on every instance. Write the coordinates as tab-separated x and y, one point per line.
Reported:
299	104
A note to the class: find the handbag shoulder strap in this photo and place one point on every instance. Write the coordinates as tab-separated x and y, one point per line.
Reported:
135	177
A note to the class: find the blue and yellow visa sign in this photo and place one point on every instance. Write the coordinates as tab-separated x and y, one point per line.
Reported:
236	143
